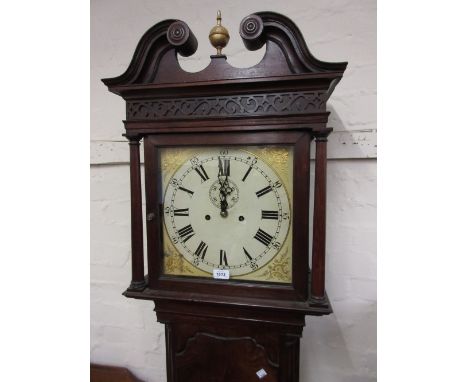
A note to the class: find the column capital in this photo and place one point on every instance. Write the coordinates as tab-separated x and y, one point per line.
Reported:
133	139
322	135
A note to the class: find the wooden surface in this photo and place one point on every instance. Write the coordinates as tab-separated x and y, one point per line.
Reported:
226	330
201	348
155	62
103	373
319	232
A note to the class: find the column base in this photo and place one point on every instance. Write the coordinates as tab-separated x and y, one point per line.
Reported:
136	286
322	303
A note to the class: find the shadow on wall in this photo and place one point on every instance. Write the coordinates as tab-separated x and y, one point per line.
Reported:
334	119
346	143
341	347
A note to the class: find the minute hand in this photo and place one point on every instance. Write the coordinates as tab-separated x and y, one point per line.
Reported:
224	186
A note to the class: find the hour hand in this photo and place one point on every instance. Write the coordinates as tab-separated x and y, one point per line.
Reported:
223	197
224	206
224	203
220	169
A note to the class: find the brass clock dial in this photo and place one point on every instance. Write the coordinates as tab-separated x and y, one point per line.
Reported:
227	208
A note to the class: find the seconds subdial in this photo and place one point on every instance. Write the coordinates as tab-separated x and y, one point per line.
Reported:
231	190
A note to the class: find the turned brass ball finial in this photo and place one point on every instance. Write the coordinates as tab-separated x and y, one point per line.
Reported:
219	35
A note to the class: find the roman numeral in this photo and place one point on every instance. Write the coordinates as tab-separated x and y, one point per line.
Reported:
186	232
247	174
201	250
264	191
186	190
201	171
270	215
247	254
222	257
224	167
181	212
263	237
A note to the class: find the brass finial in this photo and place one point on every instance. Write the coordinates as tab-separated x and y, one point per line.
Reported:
219	36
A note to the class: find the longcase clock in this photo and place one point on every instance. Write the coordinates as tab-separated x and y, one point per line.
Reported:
227	164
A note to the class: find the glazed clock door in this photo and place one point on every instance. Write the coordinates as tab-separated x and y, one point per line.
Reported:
228	208
227	212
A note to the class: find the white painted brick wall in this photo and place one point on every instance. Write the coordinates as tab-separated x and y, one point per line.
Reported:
124	332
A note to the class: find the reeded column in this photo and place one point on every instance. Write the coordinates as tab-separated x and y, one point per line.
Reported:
138	270
319	231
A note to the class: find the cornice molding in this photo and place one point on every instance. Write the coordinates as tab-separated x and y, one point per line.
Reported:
264	27
155	59
153	45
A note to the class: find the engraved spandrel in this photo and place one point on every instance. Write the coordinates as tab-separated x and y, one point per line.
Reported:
277	157
277	269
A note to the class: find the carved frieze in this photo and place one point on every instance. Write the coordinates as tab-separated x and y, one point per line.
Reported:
228	106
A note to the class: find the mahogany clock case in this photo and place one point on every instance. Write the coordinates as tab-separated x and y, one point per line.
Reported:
280	101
